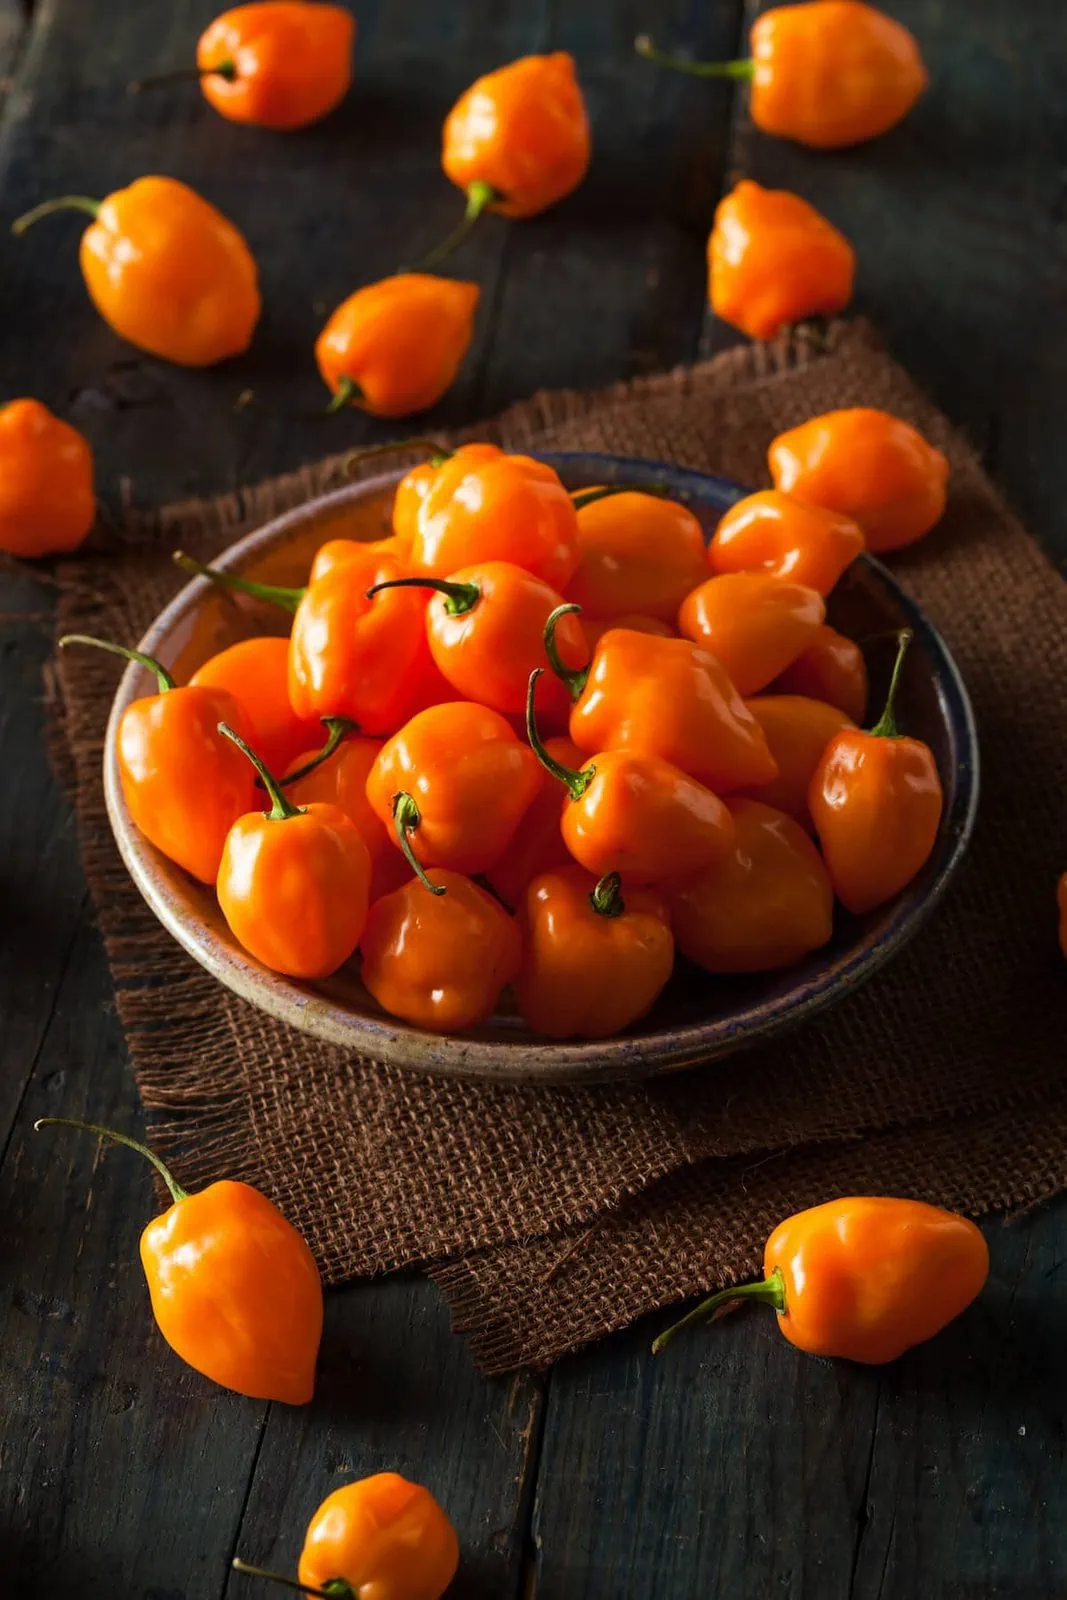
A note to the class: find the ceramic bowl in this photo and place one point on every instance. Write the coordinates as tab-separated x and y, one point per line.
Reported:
698	1018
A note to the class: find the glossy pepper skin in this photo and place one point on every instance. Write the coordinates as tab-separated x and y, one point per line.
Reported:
47	503
876	802
754	624
639	554
668	698
386	1538
294	883
867	465
468	779
773	260
440	960
341	781
832	669
522	133
538	845
184	784
416	484
277	63
506	508
797	731
256	673
596	627
167	271
763	906
864	1278
594	959
775	533
234	1288
395	346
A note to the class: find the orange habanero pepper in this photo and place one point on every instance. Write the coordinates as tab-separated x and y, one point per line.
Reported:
596	627
876	801
458	780
867	465
338	777
47	504
763	906
832	668
166	270
663	697
635	813
538	844
235	1290
417	482
774	260
755	624
797	731
395	346
439	960
294	882
1061	904
256	672
772	532
827	73
277	63
504	508
594	961
638	553
864	1277
339	552
380	1537
183	783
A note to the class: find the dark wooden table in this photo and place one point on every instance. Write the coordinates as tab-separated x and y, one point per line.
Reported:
738	1468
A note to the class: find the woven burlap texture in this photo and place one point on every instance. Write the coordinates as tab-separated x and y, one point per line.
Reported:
959	1043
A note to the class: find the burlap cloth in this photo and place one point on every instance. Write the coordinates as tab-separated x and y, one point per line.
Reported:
550	1217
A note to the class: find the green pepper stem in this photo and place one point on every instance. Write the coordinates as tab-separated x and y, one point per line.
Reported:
606	899
65	202
574	679
222	69
333	1589
771	1289
347	393
272	593
743	71
282	808
177	1193
337	729
479	195
576	782
163	677
437	453
459	597
406	818
886	726
587	497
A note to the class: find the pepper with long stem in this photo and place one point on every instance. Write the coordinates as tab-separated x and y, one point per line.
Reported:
222	69
886	726
480	195
437	454
574	678
459	597
741	71
271	593
770	1290
163	677
406	818
177	1193
575	782
337	729
281	807
64	202
332	1589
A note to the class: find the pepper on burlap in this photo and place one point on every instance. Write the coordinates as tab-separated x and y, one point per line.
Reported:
551	1216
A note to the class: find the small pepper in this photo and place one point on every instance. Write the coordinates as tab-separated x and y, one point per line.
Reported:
638	553
47	504
797	731
457	781
633	813
183	783
381	1538
594	960
763	906
754	624
439	960
867	465
773	260
596	627
827	73
832	668
395	346
416	484
505	508
663	697
165	270
341	780
234	1288
294	883
863	1278
876	802
772	532
256	673
1061	905
538	844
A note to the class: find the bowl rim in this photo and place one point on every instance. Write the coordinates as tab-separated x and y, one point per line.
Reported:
530	1059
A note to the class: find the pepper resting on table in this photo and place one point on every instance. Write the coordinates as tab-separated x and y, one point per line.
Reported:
234	1288
47	504
775	533
864	1277
166	270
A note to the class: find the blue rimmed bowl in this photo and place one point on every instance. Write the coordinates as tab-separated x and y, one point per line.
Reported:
698	1018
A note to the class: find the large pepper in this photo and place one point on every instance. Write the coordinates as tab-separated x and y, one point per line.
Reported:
754	624
773	260
775	533
277	63
500	508
639	553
